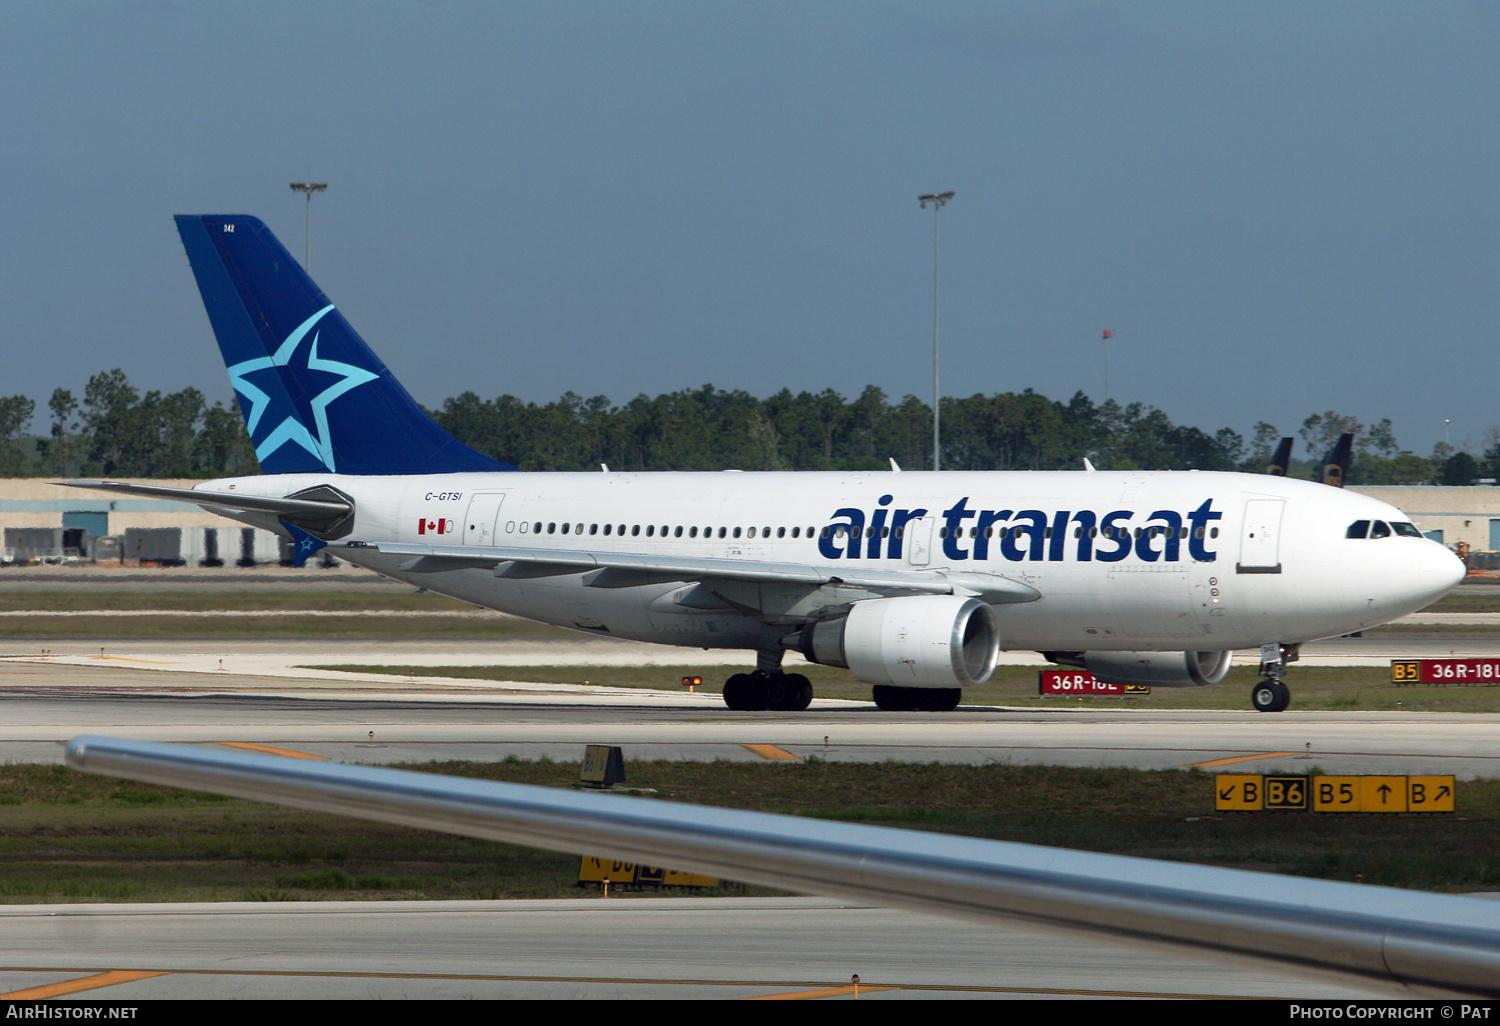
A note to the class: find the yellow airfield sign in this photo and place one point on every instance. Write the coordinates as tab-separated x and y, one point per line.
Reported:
1244	793
596	870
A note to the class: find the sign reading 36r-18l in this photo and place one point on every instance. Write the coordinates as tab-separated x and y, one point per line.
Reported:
1446	671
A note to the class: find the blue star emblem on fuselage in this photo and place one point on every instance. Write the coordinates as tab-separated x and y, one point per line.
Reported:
280	414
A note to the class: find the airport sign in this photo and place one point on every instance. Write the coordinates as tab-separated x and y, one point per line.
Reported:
1082	682
1244	793
1469	672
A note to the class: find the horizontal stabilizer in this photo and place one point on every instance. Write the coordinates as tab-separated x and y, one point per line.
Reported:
222	500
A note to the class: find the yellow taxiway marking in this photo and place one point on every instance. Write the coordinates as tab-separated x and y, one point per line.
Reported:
273	751
127	659
772	752
125	975
1237	758
803	995
108	979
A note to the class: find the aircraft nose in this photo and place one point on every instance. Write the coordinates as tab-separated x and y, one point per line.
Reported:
1443	568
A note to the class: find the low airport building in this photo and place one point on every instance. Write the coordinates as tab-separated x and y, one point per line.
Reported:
42	522
1467	516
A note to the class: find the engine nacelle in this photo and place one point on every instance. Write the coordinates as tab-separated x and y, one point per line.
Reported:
1158	669
933	641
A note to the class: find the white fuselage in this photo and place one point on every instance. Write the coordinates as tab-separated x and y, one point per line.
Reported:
1122	560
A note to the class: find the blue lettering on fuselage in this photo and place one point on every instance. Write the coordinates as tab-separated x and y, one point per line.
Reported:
1027	535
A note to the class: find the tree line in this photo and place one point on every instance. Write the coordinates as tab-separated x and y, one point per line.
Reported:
116	430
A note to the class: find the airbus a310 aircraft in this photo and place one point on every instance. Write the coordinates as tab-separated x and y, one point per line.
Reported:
914	581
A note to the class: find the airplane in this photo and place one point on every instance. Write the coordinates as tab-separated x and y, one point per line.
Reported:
914	581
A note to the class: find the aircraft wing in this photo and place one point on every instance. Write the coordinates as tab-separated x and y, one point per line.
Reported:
626	569
1403	942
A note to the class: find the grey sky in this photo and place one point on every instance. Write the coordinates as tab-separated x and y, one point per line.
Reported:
1280	208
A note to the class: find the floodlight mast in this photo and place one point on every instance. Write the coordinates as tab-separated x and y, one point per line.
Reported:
309	188
937	199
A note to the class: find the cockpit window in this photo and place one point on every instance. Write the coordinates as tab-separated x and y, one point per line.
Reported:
1405	530
1358	529
1380	529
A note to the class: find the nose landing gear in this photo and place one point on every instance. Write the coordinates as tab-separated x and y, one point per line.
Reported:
1271	695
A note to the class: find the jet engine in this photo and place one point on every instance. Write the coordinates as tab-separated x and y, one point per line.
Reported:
934	641
1158	669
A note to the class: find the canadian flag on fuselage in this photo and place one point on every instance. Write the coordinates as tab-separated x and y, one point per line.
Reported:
425	526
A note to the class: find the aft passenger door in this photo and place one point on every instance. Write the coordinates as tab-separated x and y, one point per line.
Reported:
1260	537
483	517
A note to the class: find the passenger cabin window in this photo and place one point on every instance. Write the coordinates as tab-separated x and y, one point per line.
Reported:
1358	529
1405	530
1380	529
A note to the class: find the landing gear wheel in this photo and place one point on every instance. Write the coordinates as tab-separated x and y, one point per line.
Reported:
1270	696
745	692
803	692
938	699
786	692
893	699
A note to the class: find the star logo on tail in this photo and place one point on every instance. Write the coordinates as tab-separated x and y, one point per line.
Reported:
292	425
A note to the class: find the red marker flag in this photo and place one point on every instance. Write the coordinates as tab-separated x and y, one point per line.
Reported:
1107	333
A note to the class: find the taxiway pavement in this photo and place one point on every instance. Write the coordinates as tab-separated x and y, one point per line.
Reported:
589	948
43	703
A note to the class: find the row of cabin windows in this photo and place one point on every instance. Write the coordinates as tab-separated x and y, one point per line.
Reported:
652	531
1380	529
666	530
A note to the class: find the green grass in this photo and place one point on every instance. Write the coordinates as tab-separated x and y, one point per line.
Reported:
67	836
1468	601
1328	688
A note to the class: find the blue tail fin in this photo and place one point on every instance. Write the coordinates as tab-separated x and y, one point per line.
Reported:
314	396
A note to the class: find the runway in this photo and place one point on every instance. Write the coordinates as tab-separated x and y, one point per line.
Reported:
43	704
621	948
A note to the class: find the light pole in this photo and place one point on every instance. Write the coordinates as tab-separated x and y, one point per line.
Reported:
309	188
1108	333
937	199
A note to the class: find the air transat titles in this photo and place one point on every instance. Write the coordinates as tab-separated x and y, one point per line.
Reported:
1027	534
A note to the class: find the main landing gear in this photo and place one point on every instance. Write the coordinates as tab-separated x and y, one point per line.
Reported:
782	692
1271	695
897	699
